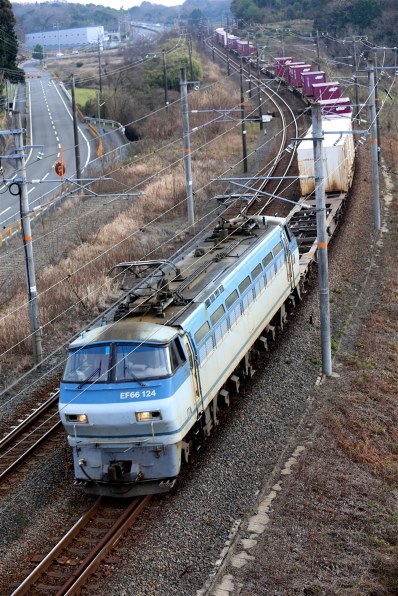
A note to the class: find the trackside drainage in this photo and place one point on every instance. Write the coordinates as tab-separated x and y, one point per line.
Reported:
256	525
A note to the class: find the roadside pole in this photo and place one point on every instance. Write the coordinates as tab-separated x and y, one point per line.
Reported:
187	149
322	239
76	133
33	308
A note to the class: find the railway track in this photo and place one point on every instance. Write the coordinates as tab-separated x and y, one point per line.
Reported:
262	188
20	444
73	560
27	437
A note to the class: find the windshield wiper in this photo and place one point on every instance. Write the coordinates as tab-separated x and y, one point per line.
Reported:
131	375
96	371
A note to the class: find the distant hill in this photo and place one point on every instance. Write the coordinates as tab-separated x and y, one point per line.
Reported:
378	19
32	18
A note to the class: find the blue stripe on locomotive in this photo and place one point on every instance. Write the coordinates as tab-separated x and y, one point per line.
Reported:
106	393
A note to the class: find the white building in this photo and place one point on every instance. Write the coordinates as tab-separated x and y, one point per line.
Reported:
66	37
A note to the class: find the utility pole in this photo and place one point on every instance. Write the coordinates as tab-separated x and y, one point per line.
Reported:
242	115
377	113
99	65
187	149
76	132
318	60
166	101
373	141
190	57
356	112
322	240
33	308
249	67
260	104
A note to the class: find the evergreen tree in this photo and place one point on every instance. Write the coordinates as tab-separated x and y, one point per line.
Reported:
8	43
38	52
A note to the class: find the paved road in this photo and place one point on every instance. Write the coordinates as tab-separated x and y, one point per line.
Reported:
51	129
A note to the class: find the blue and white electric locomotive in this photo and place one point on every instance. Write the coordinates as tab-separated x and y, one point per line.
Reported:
137	389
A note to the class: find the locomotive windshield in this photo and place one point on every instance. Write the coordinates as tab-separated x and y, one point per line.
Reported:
90	363
117	362
141	362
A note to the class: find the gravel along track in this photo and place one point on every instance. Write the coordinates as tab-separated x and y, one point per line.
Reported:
174	546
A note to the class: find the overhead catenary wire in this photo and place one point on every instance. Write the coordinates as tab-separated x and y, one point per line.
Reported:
116	244
142	158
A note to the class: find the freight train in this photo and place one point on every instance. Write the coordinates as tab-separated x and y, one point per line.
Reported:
139	390
145	385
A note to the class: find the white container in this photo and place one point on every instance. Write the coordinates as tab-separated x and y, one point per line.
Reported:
338	156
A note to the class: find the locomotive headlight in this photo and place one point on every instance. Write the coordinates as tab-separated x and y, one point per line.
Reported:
147	416
81	418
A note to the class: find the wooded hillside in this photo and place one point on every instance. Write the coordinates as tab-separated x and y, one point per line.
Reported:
32	18
376	18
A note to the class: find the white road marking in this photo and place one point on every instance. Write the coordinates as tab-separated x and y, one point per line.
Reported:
5	210
81	132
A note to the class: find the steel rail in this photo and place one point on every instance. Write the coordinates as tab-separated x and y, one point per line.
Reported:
90	561
276	99
24	437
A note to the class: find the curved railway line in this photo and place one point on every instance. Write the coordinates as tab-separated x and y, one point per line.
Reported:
72	561
270	180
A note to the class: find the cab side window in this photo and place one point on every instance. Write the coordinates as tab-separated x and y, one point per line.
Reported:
177	355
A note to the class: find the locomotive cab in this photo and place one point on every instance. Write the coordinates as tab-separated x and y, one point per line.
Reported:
118	404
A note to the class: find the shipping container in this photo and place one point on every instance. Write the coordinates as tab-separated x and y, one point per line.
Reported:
279	63
242	47
312	78
337	155
245	48
330	107
232	41
295	74
221	37
326	90
287	67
